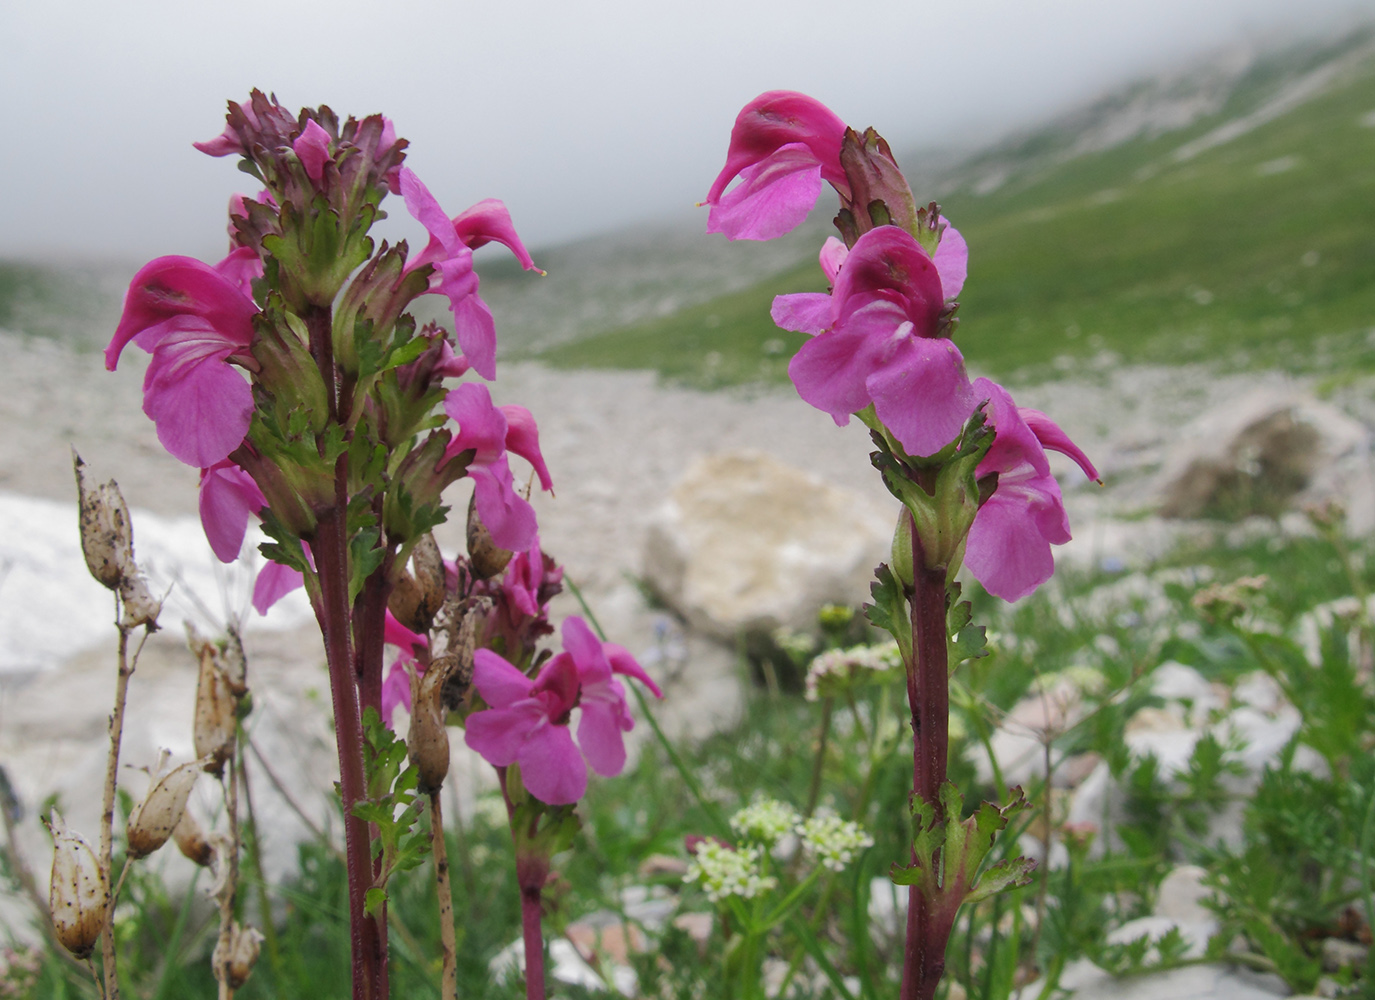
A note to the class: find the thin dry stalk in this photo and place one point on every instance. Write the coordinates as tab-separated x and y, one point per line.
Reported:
230	880
449	975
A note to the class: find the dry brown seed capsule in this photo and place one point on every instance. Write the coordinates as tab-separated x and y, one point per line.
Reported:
427	742
216	706
192	841
430	574
140	606
154	819
79	892
107	534
234	663
406	602
234	959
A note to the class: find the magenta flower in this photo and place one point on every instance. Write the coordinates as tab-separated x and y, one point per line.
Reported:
275	581
528	719
228	498
491	432
396	688
782	147
195	321
527	724
605	715
450	250
1008	549
876	339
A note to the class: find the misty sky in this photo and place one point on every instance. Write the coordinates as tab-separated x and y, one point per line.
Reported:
583	117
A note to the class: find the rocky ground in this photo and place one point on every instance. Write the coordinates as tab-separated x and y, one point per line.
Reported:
616	444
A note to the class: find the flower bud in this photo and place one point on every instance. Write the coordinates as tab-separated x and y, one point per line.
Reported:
154	819
488	560
192	841
107	534
80	891
216	707
236	954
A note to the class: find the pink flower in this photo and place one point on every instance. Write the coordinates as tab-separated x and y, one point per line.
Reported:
194	320
782	147
396	689
450	250
528	719
605	715
1008	549
491	432
525	577
228	498
876	339
527	724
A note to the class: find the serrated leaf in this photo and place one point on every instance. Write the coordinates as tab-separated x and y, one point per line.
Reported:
969	643
889	610
373	901
1006	874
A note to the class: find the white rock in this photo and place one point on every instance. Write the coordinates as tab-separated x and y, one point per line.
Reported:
745	542
1182	893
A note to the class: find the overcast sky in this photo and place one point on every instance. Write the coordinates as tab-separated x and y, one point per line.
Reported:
583	117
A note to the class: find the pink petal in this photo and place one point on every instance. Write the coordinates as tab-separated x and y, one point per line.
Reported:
923	395
228	498
474	327
889	260
500	684
312	146
833	254
396	692
1015	445
202	406
779	118
481	426
804	312
522	438
599	735
396	634
1051	436
489	220
623	663
831	371
772	198
582	644
952	262
551	767
274	582
182	286
241	267
508	517
1006	551
500	734
425	210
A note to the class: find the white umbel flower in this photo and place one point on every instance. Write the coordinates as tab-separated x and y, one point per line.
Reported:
765	821
834	841
724	872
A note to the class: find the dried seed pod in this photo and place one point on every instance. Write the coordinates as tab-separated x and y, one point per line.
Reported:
140	606
487	558
234	663
430	575
80	891
236	954
192	841
216	707
427	741
406	602
154	819
107	534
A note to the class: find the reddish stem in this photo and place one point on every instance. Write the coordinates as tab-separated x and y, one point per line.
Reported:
928	695
367	935
530	913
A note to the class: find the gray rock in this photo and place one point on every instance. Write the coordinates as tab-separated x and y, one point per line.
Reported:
745	542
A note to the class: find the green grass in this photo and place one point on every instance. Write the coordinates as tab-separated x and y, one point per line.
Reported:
1259	252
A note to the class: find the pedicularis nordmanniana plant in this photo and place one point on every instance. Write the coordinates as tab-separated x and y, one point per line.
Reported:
292	376
968	465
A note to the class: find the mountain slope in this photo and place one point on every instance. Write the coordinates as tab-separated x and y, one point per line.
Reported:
1228	218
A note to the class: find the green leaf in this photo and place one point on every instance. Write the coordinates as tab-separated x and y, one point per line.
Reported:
373	901
889	610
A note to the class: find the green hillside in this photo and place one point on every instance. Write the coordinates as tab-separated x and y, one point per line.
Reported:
1247	239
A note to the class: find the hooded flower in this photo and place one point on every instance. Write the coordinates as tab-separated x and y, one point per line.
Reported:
527	724
450	250
1008	549
782	147
876	338
528	719
491	432
195	320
